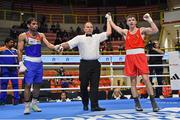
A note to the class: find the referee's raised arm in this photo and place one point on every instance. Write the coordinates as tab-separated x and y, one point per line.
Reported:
108	29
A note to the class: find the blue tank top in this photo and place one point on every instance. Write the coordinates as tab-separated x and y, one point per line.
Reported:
33	45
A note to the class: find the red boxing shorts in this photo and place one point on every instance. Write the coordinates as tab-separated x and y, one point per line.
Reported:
136	64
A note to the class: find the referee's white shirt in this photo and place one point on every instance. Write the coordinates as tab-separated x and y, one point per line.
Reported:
88	46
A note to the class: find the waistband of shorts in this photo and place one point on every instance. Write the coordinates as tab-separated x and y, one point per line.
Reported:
135	51
84	60
33	59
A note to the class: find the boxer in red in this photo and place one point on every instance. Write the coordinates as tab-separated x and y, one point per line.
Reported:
136	60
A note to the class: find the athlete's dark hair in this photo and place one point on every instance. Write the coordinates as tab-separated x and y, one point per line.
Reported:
29	20
131	16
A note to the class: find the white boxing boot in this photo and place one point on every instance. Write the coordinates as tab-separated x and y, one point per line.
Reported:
35	108
27	108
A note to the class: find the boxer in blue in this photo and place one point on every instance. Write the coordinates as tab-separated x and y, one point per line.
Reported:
31	65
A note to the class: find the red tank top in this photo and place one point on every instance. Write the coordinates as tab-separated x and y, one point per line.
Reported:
134	40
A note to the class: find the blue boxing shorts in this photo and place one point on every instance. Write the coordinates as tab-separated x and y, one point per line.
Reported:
34	73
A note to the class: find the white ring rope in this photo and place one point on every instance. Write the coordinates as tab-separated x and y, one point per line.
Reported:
107	87
61	77
76	66
78	55
46	66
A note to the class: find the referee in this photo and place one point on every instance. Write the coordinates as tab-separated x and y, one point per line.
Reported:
89	69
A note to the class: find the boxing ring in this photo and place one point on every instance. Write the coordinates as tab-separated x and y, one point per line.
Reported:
115	109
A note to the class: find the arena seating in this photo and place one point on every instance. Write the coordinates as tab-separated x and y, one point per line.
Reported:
21	6
50	73
48	9
51	37
54	12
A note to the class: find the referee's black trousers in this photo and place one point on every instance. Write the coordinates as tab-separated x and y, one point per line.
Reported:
89	72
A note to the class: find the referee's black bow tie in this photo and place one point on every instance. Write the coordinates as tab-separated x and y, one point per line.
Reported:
88	35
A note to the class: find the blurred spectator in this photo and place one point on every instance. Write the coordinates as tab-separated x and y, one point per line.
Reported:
71	33
109	46
14	32
43	20
122	24
104	27
166	90
121	47
15	44
57	41
142	89
55	83
125	24
23	25
53	28
65	36
96	30
57	26
9	71
63	97
115	35
43	24
43	28
65	83
61	71
154	48
103	46
117	94
59	33
78	30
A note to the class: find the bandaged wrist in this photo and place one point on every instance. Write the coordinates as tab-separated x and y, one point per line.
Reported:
150	20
